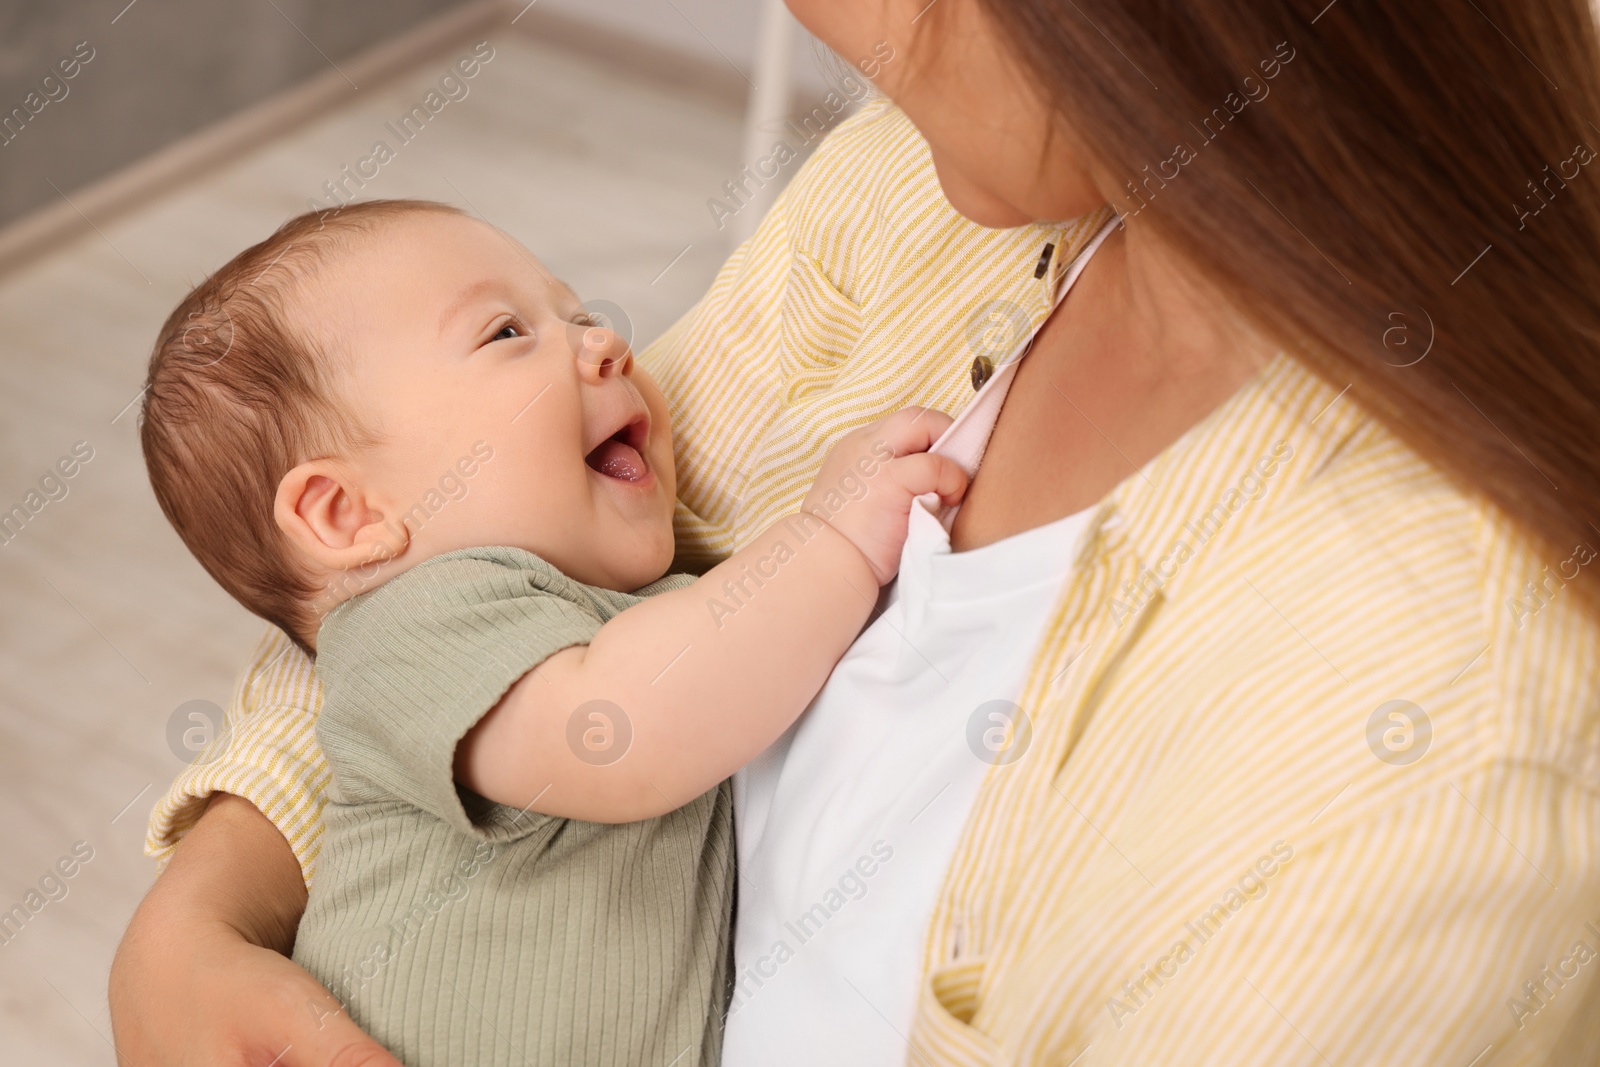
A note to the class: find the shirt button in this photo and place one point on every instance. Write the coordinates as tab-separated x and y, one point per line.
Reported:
1044	260
982	371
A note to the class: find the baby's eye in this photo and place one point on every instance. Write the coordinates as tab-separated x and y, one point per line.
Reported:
508	331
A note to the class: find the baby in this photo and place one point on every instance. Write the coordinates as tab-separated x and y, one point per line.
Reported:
389	431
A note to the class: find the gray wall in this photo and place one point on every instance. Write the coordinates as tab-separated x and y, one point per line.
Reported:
163	69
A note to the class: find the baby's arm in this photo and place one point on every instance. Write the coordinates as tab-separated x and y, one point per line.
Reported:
703	689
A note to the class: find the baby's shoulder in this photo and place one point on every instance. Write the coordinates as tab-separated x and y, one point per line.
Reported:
473	585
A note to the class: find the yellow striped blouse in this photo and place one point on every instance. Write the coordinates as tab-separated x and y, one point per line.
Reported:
1314	766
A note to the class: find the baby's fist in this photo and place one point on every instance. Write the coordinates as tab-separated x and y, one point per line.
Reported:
870	477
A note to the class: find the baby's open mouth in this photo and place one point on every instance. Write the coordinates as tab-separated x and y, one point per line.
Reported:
618	456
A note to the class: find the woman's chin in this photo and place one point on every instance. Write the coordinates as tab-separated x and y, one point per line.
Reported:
1006	209
982	207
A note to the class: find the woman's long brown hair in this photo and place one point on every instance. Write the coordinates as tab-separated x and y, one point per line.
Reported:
1414	170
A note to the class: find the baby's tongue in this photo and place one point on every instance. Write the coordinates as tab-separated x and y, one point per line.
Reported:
616	459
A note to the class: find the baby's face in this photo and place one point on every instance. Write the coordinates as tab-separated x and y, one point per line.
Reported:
457	344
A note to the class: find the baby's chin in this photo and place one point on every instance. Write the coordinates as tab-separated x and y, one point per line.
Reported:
647	561
660	561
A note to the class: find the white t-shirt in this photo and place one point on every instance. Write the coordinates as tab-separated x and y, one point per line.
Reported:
846	824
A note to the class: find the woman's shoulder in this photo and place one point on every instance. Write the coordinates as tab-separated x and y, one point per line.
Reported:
854	192
869	198
1542	644
875	141
1442	532
1408	583
1501	618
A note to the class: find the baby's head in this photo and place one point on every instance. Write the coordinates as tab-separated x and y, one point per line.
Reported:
373	386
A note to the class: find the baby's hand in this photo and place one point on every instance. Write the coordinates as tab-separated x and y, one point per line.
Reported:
866	484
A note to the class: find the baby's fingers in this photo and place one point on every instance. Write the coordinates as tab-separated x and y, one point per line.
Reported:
913	429
929	472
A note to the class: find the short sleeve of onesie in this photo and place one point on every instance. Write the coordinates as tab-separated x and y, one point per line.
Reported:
410	667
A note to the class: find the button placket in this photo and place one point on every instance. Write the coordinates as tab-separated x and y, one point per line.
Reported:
1085	645
985	923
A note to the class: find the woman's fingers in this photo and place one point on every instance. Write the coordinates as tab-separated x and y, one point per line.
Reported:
352	1049
192	984
236	1005
318	1034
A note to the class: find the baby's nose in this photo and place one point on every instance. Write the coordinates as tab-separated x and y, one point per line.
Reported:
603	354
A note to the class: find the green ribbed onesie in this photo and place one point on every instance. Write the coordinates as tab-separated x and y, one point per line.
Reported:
463	933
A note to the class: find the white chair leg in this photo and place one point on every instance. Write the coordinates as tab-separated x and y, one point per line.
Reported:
768	106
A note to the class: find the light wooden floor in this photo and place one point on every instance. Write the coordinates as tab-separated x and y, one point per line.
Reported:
106	624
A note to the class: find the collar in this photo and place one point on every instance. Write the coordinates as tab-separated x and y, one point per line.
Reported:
1285	421
1030	304
1071	240
1282	429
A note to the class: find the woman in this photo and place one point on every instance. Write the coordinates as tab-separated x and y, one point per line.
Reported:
1296	759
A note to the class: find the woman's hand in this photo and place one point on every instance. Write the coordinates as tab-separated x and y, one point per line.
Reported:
201	979
866	484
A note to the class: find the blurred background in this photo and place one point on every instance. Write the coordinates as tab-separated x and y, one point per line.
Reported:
142	144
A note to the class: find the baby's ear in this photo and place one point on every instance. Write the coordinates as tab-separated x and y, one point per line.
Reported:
332	521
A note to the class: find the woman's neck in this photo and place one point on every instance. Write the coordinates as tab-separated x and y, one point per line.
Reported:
1152	316
1133	357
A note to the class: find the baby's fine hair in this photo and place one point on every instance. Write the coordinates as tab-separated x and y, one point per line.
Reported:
237	397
